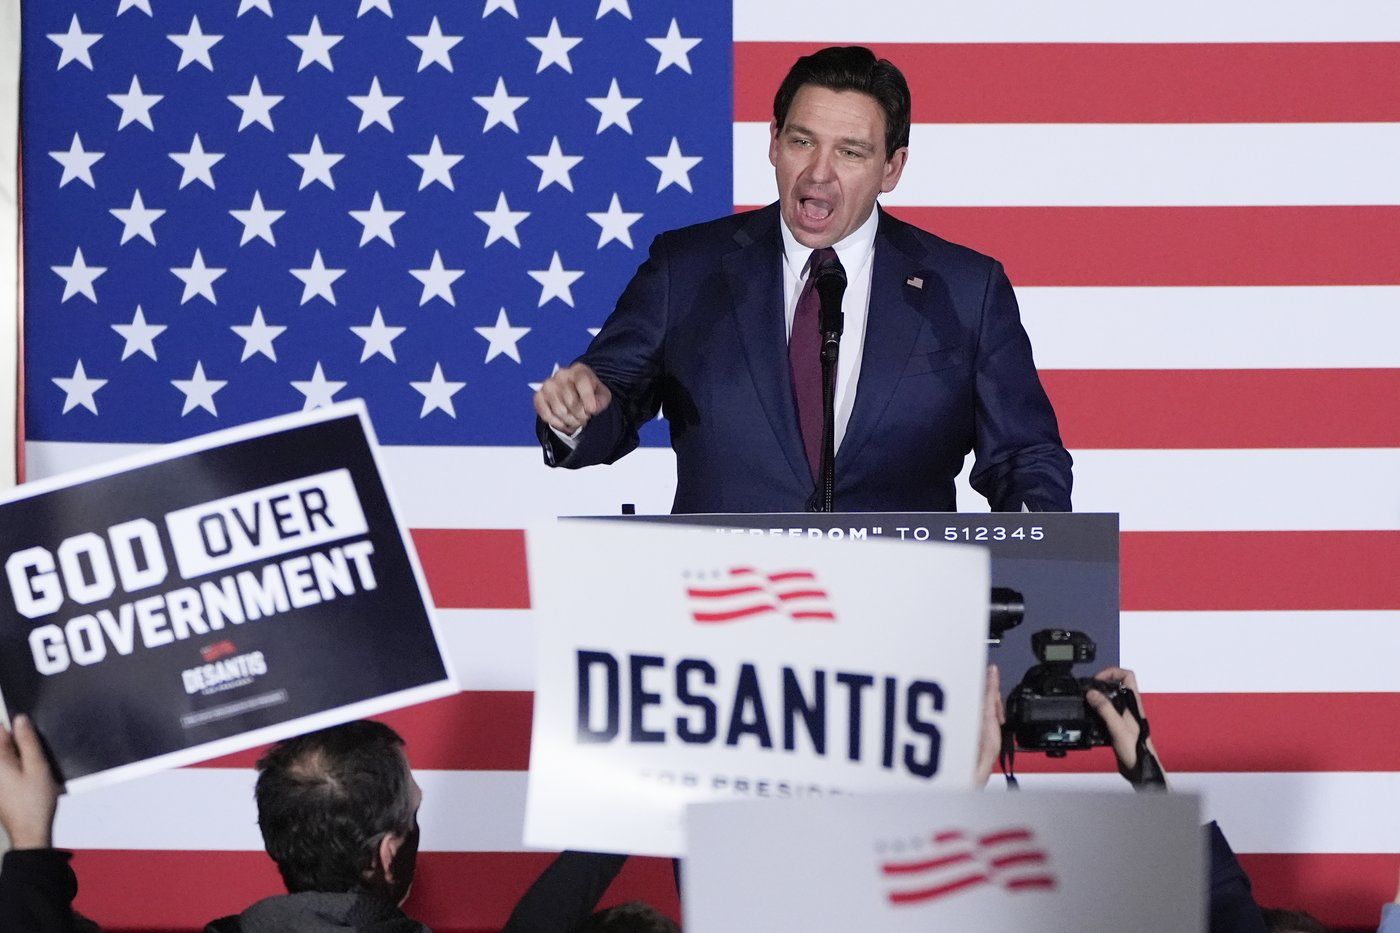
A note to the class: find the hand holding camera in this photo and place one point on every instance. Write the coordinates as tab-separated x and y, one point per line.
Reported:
1053	711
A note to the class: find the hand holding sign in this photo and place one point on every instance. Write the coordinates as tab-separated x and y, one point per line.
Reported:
28	792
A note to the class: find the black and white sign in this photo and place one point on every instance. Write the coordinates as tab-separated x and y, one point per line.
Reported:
219	593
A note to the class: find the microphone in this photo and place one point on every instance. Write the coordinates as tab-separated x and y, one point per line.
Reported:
831	286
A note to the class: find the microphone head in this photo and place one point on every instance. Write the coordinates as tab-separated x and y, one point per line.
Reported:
830	283
830	272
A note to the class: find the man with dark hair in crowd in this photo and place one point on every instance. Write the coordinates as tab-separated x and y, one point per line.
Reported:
338	811
632	917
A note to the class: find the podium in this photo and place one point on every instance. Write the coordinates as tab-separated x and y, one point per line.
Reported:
1065	564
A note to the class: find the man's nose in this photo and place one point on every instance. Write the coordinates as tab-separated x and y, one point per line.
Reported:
823	166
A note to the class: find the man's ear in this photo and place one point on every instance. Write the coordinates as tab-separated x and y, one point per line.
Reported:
384	857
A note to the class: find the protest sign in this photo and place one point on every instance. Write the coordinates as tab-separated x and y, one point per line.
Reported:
212	595
909	863
674	666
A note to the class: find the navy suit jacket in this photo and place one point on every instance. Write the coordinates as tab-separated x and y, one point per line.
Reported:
947	369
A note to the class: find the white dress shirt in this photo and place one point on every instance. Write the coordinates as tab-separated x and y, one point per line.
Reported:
856	253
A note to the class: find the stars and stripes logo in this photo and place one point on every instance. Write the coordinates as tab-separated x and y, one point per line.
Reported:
741	593
952	861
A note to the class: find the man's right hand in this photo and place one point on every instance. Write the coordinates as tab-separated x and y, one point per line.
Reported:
28	792
570	397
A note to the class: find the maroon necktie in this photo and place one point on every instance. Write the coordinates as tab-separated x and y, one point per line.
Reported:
804	359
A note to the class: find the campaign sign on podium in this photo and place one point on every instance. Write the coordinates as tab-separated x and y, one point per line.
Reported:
970	861
1064	565
676	666
209	596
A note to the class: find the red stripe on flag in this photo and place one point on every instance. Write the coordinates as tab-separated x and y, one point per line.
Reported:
734	614
1217	408
1035	882
474	891
1258	732
480	730
1274	570
1114	83
804	594
453	892
1343	891
937	891
1125	246
721	594
1020	858
791	575
1267	570
1010	835
477	569
905	868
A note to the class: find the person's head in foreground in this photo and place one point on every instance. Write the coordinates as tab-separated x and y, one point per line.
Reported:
338	810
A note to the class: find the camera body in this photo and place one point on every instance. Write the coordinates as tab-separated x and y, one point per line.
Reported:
1047	710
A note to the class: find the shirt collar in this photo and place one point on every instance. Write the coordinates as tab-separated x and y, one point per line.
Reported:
853	251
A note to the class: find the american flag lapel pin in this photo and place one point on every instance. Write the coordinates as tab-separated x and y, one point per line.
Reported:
915	281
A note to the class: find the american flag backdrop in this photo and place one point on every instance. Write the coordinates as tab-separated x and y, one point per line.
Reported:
241	208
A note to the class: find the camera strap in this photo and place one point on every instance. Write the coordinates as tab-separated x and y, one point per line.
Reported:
1007	758
1147	774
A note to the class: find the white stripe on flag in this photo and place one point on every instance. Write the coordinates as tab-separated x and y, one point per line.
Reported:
1306	812
9	239
1113	165
491	649
1082	21
1153	490
213	809
1350	489
1260	652
1172	652
482	811
1257	327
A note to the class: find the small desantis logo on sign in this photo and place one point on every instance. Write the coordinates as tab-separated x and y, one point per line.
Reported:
219	649
953	861
740	593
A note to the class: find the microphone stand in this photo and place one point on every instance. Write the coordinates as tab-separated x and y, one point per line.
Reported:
831	286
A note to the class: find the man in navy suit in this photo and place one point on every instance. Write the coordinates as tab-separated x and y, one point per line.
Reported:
934	361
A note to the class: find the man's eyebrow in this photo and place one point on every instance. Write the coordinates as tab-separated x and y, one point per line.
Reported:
849	142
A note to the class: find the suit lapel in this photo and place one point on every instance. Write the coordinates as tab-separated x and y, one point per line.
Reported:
754	276
892	324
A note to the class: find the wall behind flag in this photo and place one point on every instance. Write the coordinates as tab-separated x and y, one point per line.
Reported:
10	298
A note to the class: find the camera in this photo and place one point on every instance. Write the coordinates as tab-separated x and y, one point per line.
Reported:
1047	711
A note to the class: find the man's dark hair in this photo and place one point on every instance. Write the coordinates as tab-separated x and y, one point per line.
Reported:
632	917
852	68
1291	921
327	799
